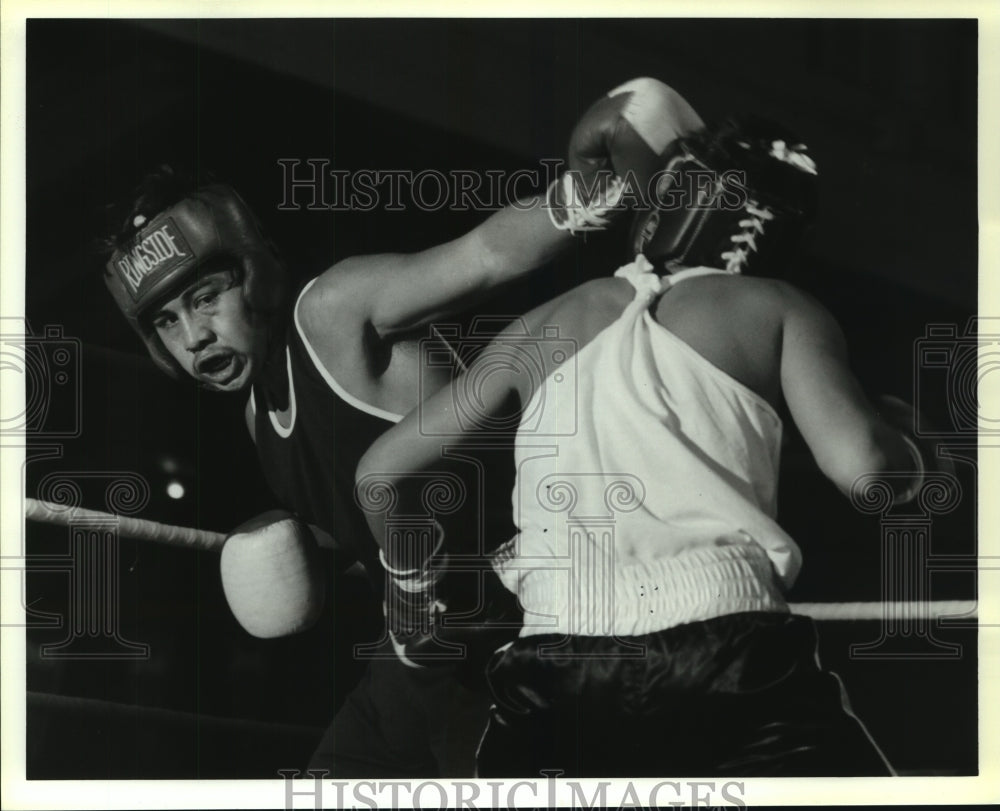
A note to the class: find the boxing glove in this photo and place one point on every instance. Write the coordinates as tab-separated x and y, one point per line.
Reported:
902	416
271	575
437	615
624	135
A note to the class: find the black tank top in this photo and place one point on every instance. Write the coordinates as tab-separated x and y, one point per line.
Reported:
310	465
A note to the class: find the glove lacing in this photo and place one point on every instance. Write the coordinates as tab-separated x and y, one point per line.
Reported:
579	217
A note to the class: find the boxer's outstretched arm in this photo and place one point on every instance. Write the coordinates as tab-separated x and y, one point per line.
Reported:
839	424
396	293
627	131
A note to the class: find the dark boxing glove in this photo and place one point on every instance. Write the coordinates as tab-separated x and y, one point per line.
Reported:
437	614
902	416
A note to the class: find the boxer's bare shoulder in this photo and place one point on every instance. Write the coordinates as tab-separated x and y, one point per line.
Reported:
334	307
334	317
578	315
588	308
734	322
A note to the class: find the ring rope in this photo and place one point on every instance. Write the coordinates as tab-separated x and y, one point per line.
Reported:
139	528
188	537
877	609
108	710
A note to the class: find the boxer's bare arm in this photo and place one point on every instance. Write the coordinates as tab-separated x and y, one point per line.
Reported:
363	304
839	424
414	444
391	294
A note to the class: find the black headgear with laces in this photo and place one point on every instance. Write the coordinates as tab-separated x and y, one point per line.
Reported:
736	197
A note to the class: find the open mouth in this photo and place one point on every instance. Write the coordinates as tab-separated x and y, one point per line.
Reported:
218	368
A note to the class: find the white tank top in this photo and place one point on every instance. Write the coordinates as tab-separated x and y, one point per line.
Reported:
646	486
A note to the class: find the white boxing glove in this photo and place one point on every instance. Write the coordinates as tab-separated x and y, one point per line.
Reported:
271	575
624	134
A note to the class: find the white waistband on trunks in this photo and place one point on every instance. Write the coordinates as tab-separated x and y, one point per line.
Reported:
646	596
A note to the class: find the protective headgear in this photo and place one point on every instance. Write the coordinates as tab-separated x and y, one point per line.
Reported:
732	199
211	223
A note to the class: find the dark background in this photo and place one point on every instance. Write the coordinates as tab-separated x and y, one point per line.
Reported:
888	109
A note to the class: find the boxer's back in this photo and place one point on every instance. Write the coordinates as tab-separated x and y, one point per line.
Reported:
766	334
734	322
785	346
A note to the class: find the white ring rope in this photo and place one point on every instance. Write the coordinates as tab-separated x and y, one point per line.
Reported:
144	530
876	610
139	528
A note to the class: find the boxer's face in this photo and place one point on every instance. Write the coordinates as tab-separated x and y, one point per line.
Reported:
211	333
